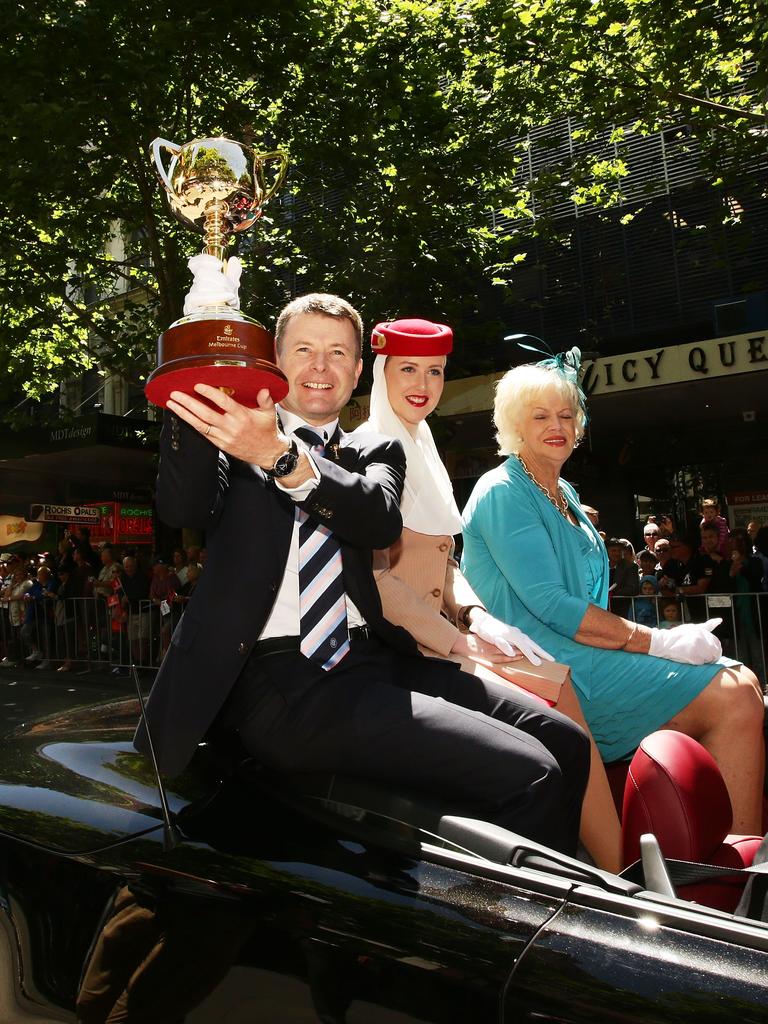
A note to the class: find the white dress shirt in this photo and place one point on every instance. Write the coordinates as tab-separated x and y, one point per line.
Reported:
284	617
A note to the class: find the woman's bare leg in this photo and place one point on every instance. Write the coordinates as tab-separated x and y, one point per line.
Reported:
727	719
600	826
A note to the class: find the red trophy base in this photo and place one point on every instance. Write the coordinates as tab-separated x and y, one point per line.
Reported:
225	351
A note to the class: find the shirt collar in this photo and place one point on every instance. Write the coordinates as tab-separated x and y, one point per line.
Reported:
290	424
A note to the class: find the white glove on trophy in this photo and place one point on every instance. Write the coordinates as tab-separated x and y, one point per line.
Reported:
212	284
691	644
509	639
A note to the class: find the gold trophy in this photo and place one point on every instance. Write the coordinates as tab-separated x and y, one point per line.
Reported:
217	186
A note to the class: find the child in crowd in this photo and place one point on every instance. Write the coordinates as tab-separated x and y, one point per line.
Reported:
645	605
670	614
710	515
646	560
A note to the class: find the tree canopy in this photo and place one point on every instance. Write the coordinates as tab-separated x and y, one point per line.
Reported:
406	124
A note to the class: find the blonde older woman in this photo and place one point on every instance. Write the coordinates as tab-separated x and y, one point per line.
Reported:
535	559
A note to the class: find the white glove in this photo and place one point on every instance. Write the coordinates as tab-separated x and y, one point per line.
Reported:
691	644
212	285
509	639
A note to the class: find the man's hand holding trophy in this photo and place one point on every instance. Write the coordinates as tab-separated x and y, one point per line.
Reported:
217	187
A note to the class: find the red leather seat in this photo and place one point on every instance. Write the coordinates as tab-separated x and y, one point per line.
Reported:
674	789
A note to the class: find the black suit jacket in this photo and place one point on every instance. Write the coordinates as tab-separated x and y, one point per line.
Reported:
248	524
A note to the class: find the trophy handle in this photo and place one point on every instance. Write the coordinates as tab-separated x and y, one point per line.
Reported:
260	160
157	145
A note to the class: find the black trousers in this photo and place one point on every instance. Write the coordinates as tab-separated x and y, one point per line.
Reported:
420	723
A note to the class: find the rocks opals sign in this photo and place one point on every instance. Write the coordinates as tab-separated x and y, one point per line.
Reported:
83	515
676	364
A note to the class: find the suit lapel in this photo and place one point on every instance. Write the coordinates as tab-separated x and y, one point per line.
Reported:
344	448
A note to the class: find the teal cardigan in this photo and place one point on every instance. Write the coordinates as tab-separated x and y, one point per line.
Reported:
532	567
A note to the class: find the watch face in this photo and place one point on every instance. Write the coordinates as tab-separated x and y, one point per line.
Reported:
286	463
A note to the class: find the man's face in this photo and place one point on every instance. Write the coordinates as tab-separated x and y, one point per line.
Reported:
710	540
614	554
318	355
752	530
129	564
662	551
650	536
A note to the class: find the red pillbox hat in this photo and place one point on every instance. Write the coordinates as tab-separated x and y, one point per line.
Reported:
411	338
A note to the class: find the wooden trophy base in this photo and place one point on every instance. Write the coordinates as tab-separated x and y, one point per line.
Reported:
225	351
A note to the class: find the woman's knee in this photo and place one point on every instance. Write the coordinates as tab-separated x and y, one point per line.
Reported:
740	697
752	694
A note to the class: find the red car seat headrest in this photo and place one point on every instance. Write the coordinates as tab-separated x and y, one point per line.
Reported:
674	789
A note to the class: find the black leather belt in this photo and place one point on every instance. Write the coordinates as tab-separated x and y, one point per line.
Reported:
288	644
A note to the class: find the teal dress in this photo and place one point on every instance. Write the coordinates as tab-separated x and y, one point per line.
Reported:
533	568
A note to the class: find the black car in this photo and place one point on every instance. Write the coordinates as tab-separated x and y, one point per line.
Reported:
315	899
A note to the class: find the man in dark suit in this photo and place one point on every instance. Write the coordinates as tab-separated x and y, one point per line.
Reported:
284	639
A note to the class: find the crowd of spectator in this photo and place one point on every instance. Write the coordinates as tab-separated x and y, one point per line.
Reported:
80	604
677	577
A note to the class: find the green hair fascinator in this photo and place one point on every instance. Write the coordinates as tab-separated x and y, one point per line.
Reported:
568	364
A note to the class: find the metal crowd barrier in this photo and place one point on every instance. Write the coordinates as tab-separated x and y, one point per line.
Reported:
744	630
89	634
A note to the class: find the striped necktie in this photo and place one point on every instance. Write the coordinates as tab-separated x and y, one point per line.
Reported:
324	637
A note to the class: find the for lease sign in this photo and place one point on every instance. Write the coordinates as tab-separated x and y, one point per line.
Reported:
748	506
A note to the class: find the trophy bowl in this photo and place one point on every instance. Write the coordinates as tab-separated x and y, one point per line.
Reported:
217	186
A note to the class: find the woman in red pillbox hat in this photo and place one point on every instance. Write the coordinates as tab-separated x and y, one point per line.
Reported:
422	587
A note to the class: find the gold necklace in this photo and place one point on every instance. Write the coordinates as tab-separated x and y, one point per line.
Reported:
559	500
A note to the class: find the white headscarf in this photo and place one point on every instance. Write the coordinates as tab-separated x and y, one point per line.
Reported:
428	505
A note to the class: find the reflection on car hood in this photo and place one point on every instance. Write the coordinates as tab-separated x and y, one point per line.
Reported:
72	781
